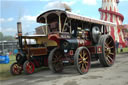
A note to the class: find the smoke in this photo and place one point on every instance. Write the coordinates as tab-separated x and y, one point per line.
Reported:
20	13
58	5
67	7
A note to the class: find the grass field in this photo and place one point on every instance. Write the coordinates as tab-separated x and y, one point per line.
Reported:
124	50
5	68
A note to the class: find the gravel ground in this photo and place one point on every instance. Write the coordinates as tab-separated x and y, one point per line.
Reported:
97	75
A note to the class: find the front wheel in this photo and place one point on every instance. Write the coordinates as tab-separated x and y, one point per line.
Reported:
15	69
55	60
28	67
82	60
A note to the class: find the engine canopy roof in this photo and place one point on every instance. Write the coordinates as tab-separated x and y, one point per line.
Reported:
41	18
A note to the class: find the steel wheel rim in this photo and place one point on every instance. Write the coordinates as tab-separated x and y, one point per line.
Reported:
109	48
16	69
84	61
30	67
57	61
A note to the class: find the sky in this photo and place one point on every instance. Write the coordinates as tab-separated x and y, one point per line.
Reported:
26	11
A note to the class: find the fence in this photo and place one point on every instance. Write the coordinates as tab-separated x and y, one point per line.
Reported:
8	47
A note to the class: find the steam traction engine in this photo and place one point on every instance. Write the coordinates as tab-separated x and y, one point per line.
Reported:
79	40
33	52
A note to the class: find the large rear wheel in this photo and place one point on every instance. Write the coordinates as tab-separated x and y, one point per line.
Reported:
55	60
107	58
82	60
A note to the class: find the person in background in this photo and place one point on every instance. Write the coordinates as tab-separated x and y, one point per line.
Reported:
117	45
121	49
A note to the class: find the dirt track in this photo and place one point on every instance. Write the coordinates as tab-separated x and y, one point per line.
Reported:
97	75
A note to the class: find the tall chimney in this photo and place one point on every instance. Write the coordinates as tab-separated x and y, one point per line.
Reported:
19	30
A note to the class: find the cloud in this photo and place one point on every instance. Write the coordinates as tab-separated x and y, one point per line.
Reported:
28	18
10	19
89	2
9	31
6	20
28	23
2	19
70	3
53	5
59	4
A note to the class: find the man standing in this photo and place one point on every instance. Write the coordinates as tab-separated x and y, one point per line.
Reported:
117	45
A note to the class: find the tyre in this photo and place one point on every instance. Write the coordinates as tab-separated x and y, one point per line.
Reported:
18	57
107	58
15	69
28	67
82	60
55	60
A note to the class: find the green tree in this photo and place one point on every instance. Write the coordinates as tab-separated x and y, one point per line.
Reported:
1	36
9	38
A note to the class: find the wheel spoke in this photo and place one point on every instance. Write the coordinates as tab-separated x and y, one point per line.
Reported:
86	58
111	47
111	53
106	45
15	69
29	66
109	42
110	58
82	68
57	58
85	62
80	62
81	56
84	54
16	66
80	59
